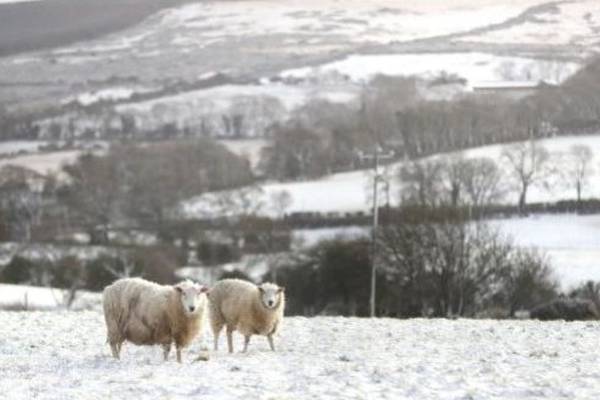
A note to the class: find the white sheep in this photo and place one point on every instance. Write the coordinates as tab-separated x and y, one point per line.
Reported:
243	306
146	313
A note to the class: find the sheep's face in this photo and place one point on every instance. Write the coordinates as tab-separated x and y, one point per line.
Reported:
192	296
270	295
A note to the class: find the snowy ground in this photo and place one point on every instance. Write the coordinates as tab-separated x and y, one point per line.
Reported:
249	149
45	162
571	243
23	297
14	147
474	67
59	355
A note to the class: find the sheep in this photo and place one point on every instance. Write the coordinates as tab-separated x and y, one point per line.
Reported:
243	306
146	313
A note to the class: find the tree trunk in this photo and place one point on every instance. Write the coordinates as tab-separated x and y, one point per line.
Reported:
523	198
455	194
578	196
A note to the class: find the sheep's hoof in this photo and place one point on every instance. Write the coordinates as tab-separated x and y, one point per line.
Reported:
203	356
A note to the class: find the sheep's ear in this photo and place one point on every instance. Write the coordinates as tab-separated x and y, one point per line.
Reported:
203	289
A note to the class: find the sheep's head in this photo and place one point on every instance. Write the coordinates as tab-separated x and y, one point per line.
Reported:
270	295
192	296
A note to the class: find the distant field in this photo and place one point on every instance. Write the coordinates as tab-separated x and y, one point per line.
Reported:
26	26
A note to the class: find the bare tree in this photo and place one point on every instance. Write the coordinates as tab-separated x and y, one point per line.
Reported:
95	189
449	268
243	202
297	153
528	165
281	201
421	183
579	168
21	198
481	180
453	174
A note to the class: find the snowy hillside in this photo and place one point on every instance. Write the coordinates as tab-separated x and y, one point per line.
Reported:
570	22
350	191
59	355
478	40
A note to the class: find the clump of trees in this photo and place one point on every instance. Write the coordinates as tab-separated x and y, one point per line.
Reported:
451	181
156	263
442	268
146	184
332	136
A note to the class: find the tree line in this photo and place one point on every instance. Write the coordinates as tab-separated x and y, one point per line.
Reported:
322	137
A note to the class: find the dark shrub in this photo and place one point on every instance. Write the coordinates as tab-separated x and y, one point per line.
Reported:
565	309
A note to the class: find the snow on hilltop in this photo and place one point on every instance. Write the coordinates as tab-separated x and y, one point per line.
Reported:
324	357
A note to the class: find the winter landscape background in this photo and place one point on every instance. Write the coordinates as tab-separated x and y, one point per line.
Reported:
212	139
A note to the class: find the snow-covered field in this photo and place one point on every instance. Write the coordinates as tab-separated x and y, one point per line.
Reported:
43	163
46	162
571	243
249	149
25	297
14	147
60	355
475	67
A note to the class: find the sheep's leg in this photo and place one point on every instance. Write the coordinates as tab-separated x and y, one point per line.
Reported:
178	348
271	344
246	342
216	327
166	350
216	340
116	349
230	339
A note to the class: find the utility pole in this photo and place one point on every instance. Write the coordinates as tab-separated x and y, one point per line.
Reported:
375	224
376	156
